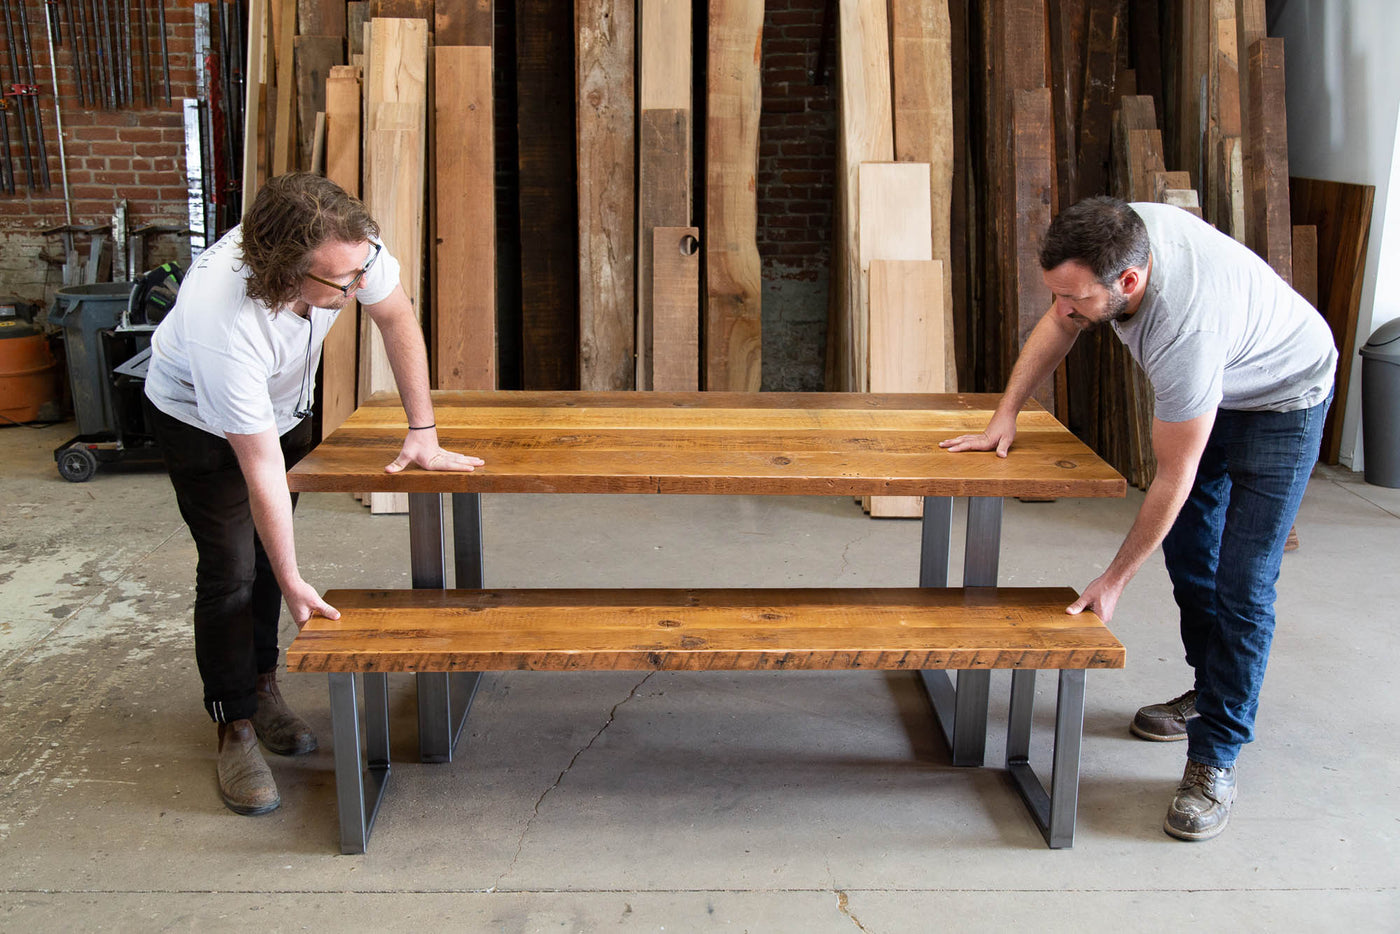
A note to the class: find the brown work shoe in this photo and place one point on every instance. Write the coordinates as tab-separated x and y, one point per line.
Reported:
280	730
1201	808
1165	723
245	781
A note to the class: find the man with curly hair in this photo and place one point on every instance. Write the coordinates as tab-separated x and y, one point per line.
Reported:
1242	371
231	382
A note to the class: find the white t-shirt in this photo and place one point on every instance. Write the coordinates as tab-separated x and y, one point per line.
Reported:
1219	329
224	362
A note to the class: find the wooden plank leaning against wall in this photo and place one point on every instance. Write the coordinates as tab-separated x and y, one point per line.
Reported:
605	54
922	65
733	279
339	372
395	138
664	186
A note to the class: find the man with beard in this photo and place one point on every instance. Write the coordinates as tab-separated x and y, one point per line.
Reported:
1242	372
231	383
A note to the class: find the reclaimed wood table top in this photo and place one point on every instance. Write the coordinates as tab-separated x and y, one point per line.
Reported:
711	442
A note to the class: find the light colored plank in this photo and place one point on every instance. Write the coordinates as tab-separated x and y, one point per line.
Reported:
866	135
921	57
733	277
284	140
464	271
338	364
396	109
675	295
605	55
252	139
906	345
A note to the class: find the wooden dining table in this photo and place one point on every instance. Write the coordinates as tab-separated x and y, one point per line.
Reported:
804	444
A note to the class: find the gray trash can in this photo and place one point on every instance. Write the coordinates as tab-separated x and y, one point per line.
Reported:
1380	405
84	311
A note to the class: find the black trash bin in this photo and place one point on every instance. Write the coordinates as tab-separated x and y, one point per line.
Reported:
1380	405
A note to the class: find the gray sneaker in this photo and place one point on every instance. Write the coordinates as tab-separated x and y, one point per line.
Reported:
1201	808
1165	723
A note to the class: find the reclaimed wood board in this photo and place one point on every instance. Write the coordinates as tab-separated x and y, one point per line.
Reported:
906	345
548	206
1033	157
665	129
315	56
866	135
1305	262
675	301
733	334
396	96
605	58
1342	214
922	64
464	269
464	22
1266	164
339	373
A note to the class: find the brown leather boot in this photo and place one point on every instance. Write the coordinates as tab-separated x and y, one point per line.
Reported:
245	781
280	730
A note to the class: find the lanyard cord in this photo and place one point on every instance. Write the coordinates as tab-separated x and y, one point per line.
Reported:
305	392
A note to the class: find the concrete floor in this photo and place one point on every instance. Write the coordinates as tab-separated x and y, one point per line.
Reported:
803	802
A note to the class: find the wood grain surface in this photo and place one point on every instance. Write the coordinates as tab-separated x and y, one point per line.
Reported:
703	630
711	442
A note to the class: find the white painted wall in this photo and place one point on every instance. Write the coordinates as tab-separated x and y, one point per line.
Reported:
1342	60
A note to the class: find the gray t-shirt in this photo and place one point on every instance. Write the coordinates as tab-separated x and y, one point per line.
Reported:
1219	329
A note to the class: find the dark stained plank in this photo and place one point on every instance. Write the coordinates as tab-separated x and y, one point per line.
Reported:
548	189
1342	214
463	22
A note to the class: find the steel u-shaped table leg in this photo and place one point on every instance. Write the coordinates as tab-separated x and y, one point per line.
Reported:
1054	812
359	784
961	711
444	699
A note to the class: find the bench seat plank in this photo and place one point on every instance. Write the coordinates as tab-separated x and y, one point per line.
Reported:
703	629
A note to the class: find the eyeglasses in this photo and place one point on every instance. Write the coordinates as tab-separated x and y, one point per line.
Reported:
354	283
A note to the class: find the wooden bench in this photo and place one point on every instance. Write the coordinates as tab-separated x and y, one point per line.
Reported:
929	630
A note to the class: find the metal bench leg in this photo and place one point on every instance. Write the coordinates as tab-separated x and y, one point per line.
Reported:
1054	813
359	790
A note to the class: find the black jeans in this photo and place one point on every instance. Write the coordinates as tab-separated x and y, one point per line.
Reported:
237	602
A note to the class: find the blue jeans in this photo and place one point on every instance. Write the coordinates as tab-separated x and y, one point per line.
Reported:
1223	555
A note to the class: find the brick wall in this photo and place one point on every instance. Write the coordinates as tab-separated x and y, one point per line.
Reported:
135	153
796	190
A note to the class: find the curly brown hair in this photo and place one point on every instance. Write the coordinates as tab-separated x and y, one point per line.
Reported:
291	216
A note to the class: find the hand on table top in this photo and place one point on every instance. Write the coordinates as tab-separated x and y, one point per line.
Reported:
422	448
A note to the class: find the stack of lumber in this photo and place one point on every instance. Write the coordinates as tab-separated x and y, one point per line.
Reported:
1146	100
963	127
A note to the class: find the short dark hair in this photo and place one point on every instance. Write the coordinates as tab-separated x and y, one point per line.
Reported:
291	216
1103	233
